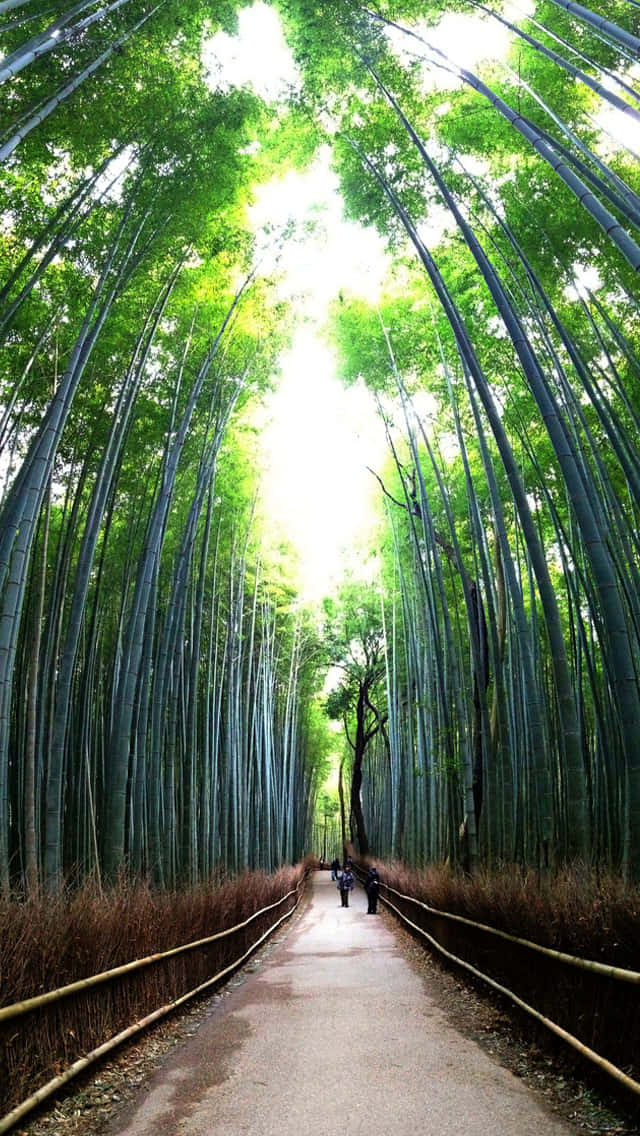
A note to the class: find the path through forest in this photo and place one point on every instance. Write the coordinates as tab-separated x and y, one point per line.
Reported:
333	1035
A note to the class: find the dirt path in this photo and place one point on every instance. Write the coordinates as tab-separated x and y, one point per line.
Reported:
335	1035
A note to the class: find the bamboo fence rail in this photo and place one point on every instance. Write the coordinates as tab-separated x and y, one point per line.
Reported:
40	1000
601	1062
10	1119
604	969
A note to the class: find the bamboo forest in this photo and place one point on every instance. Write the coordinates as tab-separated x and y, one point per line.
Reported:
172	704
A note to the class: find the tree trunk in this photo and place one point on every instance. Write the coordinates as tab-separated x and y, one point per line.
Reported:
356	775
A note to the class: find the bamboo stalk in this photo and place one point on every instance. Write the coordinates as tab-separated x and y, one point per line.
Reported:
24	1007
51	1087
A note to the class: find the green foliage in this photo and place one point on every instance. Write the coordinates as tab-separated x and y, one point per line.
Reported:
352	629
327	804
511	402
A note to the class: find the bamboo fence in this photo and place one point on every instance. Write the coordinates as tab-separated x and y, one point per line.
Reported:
18	1009
603	970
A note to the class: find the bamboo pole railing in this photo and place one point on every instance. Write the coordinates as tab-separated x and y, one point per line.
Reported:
40	1000
604	969
601	1062
10	1119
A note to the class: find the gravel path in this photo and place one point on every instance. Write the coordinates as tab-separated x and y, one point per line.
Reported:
337	1035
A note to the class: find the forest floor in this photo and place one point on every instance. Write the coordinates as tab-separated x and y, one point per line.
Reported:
566	1093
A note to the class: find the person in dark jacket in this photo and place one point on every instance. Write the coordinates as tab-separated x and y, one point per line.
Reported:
346	883
335	868
372	888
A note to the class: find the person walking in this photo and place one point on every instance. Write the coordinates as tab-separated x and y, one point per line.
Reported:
372	888
335	868
346	883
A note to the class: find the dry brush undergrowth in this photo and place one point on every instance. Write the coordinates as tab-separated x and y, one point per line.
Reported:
577	910
586	913
47	942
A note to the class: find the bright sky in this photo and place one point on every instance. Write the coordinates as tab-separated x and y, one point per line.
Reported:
257	57
467	38
316	487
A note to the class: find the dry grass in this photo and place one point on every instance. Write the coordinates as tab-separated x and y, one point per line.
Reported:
591	914
48	942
